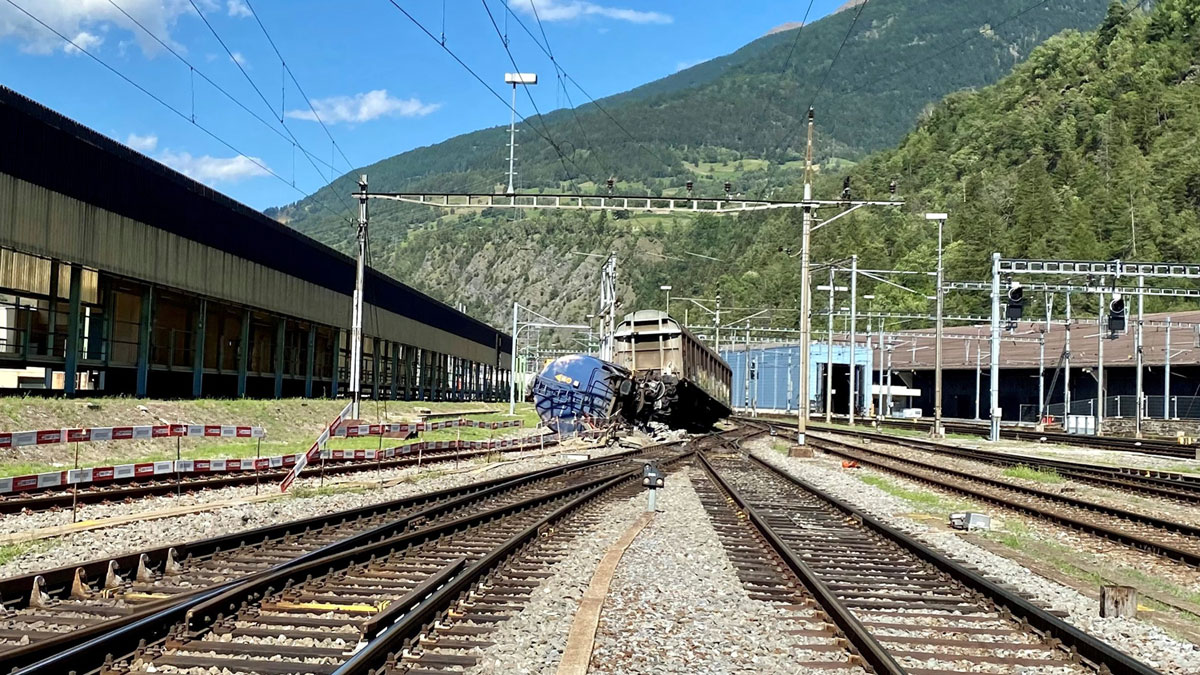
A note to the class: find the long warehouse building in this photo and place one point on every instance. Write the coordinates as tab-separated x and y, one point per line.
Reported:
119	275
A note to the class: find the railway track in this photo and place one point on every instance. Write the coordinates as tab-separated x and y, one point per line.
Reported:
1176	541
49	611
310	613
1164	484
904	607
63	498
1145	446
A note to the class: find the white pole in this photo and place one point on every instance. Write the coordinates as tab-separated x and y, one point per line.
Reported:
853	331
512	139
512	368
1138	335
356	320
937	358
994	384
829	356
1067	366
978	375
1100	365
805	234
1167	374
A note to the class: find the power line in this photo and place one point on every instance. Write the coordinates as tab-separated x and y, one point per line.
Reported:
504	41
558	71
237	62
162	102
593	101
296	82
208	79
466	67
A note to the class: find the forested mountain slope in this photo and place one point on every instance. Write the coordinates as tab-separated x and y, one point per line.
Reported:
738	118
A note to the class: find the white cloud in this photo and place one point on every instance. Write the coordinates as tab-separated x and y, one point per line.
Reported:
238	8
145	143
565	10
83	42
239	59
212	170
684	65
86	19
363	108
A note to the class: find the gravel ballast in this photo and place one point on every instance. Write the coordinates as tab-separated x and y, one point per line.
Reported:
88	545
1141	639
676	604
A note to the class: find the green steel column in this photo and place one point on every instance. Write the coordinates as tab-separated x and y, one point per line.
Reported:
280	339
144	334
52	321
310	359
337	358
395	349
198	349
375	368
73	322
243	354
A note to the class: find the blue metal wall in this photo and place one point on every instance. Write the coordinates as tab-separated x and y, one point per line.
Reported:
778	369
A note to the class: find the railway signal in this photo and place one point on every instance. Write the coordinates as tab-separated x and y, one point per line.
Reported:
1015	307
1116	315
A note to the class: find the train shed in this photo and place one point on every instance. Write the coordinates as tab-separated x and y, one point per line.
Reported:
119	275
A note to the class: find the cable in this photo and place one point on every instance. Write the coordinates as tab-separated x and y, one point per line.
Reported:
296	82
162	102
236	62
462	63
558	71
207	79
504	41
593	101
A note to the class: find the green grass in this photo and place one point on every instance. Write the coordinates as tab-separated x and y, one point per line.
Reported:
780	447
10	552
925	499
306	492
281	438
1030	473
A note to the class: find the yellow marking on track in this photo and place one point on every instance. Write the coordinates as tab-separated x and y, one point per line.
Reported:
146	596
329	607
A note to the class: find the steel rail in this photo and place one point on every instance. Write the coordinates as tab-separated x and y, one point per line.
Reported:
1174	486
63	496
864	643
136	623
1089	647
1158	548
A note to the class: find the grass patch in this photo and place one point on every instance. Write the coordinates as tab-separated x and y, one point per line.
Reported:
1030	473
305	492
10	552
925	499
780	447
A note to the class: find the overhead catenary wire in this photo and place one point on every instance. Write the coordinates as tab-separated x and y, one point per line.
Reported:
254	85
182	115
193	70
466	67
596	103
300	89
559	71
832	62
562	159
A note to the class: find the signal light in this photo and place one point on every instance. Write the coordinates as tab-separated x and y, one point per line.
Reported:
1116	315
846	188
728	188
754	370
610	185
689	188
892	187
1015	306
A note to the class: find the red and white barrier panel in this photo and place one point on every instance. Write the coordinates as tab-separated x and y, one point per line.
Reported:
359	430
146	470
16	439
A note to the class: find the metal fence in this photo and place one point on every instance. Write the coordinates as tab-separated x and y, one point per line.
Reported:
1154	407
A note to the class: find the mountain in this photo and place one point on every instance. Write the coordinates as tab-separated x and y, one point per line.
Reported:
739	117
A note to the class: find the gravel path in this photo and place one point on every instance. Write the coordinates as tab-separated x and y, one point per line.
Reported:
677	606
532	641
83	546
1144	640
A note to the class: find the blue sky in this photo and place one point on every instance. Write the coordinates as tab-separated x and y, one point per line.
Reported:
380	84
